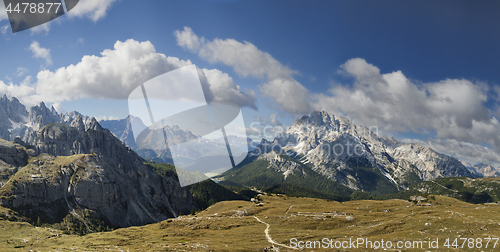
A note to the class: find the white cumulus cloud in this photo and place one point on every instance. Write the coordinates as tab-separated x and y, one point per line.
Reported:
224	89
247	60
188	39
289	94
114	74
452	108
23	91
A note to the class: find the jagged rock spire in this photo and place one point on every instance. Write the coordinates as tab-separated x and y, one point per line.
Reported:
78	123
94	124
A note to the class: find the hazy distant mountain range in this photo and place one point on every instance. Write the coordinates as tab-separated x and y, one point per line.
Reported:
485	170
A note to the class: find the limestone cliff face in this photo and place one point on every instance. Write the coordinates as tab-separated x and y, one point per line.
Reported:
12	154
85	166
12	112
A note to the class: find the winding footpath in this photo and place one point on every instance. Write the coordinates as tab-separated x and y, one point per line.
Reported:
269	239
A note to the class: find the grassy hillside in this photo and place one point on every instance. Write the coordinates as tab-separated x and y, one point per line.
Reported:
241	226
257	174
372	180
479	190
300	191
207	193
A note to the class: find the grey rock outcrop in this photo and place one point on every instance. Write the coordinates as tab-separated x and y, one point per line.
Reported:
13	109
487	170
60	139
55	185
13	154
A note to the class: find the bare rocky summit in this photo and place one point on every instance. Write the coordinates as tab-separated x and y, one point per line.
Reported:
487	170
336	148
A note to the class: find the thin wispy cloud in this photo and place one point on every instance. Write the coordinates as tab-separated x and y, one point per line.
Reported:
41	52
106	118
21	71
4	29
91	9
43	28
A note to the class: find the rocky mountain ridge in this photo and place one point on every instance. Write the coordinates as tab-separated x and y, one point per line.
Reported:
84	166
16	121
487	170
331	145
12	114
336	148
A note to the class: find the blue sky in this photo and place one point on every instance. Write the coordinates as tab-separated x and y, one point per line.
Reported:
420	70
